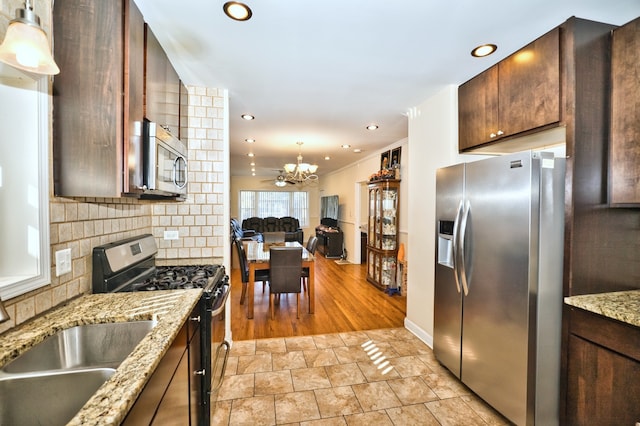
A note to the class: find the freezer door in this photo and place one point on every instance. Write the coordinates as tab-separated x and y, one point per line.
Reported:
447	296
497	250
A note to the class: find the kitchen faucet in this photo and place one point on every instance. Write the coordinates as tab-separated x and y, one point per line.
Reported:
4	315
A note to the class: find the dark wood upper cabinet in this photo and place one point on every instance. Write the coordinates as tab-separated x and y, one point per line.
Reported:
162	86
624	164
520	93
97	97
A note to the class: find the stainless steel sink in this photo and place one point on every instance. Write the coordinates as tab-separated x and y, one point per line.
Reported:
48	398
83	346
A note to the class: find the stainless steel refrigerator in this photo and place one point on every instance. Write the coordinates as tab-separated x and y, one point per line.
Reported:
498	281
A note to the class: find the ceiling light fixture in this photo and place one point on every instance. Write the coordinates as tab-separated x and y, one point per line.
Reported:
249	140
25	44
372	127
357	150
484	50
237	11
247	117
346	146
300	172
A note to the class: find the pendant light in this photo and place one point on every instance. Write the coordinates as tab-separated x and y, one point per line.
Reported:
25	44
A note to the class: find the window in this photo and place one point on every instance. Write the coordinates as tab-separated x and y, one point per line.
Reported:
275	203
24	180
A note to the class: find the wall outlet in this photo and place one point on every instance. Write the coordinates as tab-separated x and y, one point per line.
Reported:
63	262
171	235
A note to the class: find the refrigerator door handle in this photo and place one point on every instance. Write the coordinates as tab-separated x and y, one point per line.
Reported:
456	228
463	234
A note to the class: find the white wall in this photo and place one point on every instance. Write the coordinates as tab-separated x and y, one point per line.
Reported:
433	143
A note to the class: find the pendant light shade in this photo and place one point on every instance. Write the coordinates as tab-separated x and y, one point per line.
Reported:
25	44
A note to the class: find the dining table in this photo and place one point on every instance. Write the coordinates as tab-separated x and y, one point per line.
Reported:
258	258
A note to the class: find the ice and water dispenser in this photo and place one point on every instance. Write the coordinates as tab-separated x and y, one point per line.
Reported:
445	243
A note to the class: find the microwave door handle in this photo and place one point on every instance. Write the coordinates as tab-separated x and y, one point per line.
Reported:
175	172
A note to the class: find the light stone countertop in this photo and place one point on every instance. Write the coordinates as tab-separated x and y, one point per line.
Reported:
620	305
113	400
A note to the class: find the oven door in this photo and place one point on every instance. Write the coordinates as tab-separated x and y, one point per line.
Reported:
218	351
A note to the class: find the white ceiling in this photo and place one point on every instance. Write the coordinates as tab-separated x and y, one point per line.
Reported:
319	71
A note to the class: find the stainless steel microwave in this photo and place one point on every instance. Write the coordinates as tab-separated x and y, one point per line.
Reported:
164	163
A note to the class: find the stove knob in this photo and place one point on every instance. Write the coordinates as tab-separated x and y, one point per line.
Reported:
195	319
200	372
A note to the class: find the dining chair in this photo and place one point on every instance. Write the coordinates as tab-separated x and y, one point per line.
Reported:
285	266
312	243
260	274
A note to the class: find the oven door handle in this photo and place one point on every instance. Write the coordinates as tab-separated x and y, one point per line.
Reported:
220	378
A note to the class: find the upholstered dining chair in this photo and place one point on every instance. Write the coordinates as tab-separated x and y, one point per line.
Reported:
260	274
312	243
285	266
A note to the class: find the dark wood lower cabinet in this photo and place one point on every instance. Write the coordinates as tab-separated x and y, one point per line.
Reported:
603	371
171	396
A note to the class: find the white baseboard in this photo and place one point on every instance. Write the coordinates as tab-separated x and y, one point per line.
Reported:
419	332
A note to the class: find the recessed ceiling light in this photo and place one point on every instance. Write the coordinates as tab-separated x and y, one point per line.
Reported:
250	154
326	157
250	140
247	117
237	11
252	164
346	146
484	50
372	127
357	150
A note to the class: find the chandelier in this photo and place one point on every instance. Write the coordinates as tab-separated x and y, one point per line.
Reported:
300	172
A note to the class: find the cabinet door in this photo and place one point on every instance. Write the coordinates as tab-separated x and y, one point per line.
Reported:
529	86
603	386
624	185
478	109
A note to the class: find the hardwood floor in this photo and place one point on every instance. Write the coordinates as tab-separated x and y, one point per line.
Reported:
345	301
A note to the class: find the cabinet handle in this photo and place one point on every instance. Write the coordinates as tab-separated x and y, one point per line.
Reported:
200	372
195	319
492	135
500	133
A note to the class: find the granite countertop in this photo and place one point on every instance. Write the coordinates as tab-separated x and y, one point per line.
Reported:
620	305
113	400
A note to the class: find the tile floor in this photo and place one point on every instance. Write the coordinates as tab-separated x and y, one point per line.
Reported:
331	380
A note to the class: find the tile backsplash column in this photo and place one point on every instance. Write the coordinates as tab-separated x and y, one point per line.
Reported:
200	219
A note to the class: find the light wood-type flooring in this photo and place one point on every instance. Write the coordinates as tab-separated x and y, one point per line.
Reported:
345	301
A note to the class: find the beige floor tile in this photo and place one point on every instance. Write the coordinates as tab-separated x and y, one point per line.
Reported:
243	347
345	374
454	412
377	418
270	346
221	413
376	396
301	343
288	360
258	410
296	407
412	415
485	411
409	347
320	357
350	354
354	338
273	382
412	390
333	421
374	374
445	385
324	341
382	335
232	366
387	349
254	363
310	379
337	401
409	366
239	386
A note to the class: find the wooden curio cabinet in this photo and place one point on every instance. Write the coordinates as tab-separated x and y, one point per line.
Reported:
382	243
